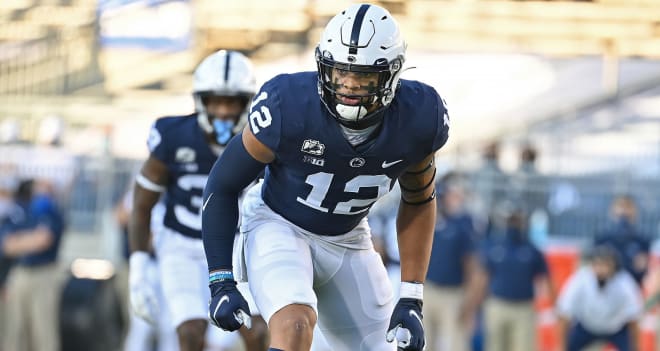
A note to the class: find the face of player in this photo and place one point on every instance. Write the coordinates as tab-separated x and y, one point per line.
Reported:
224	108
355	88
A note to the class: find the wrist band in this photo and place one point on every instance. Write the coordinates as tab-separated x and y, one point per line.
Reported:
411	290
148	184
139	258
219	276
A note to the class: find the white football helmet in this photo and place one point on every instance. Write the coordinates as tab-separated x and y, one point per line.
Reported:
223	73
361	39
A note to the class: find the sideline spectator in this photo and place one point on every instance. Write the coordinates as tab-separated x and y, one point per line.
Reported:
489	184
450	304
7	187
624	236
600	302
32	236
512	267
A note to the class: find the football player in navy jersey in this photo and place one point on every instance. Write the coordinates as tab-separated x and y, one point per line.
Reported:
182	151
305	245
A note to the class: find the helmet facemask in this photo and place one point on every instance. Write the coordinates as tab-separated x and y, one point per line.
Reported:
358	106
227	74
220	129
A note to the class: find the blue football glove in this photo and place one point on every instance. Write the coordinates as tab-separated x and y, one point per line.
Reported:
406	325
228	309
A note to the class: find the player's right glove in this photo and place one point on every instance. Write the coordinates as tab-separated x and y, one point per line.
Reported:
406	323
142	278
228	309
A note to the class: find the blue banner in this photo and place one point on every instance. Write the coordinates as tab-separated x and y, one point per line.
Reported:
162	25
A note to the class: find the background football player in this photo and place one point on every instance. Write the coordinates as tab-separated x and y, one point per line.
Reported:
182	151
307	250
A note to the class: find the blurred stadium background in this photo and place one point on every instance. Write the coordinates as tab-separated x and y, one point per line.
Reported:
577	81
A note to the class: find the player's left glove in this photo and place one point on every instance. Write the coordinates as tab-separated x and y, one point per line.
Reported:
143	283
228	309
406	323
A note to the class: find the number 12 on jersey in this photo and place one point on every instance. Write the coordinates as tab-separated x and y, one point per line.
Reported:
321	181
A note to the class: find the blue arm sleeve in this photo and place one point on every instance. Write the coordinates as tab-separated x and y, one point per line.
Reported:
232	172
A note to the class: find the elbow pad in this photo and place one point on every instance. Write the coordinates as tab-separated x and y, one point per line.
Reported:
231	173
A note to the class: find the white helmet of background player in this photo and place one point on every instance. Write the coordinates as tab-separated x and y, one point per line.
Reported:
363	39
223	73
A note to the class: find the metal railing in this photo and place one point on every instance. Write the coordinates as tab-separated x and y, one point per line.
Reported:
52	61
576	207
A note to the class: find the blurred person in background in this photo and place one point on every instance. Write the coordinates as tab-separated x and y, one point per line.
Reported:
489	183
625	236
182	151
600	302
512	270
528	156
529	187
522	180
653	300
7	188
32	236
10	137
45	160
451	299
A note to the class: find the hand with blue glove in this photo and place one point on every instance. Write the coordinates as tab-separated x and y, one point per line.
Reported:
228	309
406	323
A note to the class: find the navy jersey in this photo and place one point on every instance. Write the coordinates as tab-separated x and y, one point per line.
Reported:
512	268
318	180
453	241
630	244
181	144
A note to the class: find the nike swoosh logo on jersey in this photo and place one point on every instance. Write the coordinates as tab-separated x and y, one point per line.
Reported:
390	164
206	202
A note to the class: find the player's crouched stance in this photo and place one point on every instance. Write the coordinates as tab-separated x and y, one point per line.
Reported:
305	245
183	149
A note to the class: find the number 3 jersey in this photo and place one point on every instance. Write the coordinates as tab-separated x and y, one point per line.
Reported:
318	180
180	144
